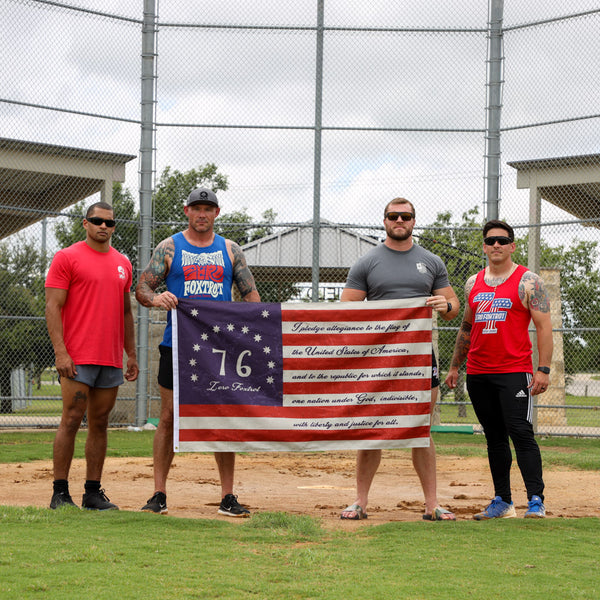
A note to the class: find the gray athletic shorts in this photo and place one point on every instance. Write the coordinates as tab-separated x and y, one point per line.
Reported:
99	376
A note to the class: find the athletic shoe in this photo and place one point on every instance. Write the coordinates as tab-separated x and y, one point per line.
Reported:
230	507
536	508
157	504
97	501
60	499
497	509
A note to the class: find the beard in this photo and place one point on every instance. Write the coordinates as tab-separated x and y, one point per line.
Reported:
400	236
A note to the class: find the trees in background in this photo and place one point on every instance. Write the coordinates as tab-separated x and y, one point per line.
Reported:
125	238
172	189
459	244
24	341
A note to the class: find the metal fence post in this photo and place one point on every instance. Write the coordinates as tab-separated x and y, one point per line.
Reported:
317	154
147	148
494	109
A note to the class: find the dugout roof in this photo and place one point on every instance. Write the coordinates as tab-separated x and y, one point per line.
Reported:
287	255
572	183
39	180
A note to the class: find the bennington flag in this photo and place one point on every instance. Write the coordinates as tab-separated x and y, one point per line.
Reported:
294	376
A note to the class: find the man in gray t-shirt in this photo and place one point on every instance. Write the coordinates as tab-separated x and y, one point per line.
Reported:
388	274
399	269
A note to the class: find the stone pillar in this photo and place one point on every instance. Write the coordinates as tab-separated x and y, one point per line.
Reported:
555	395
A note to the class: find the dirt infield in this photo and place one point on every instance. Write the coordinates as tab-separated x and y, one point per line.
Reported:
316	484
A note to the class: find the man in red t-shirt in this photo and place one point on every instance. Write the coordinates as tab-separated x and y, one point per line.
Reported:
501	300
90	322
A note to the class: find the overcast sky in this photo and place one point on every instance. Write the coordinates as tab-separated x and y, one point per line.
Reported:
413	80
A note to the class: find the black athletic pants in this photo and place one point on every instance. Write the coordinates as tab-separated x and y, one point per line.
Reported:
504	407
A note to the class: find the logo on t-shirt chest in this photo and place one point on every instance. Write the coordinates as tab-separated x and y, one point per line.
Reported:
203	273
490	310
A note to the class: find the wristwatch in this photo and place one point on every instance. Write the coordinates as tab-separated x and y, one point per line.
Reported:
449	307
545	370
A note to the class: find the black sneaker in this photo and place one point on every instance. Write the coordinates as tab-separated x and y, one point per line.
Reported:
97	501
60	499
157	504
230	507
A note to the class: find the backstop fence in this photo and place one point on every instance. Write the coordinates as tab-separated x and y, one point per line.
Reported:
306	118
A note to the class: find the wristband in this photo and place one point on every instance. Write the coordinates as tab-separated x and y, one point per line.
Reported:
545	370
449	307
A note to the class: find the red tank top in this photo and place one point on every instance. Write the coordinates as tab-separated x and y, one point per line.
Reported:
500	340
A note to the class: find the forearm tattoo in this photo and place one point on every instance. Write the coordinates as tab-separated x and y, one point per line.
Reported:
463	343
156	272
533	293
241	273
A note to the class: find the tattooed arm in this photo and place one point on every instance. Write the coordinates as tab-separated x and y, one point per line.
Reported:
242	276
463	339
154	275
534	297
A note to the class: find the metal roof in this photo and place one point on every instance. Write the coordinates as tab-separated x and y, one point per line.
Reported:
570	182
38	180
287	255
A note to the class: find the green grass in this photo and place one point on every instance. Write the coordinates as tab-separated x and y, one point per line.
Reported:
588	417
46	389
583	417
560	452
557	452
42	408
25	446
129	555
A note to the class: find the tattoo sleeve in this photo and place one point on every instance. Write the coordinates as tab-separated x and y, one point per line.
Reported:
463	339
533	293
155	273
463	343
241	273
468	287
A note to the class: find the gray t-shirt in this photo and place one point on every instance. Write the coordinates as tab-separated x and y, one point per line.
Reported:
386	274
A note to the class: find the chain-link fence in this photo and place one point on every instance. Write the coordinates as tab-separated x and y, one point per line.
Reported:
306	118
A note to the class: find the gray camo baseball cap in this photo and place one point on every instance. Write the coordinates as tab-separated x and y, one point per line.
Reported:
202	196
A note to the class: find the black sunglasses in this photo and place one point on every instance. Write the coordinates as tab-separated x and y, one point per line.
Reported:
98	221
501	239
405	216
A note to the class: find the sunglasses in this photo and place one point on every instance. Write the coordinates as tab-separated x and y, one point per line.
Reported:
98	221
501	239
405	216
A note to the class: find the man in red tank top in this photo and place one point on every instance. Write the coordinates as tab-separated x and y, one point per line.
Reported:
501	300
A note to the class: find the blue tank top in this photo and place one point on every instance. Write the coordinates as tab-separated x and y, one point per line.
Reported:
203	273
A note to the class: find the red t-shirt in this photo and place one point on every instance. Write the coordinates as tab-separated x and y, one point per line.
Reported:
500	340
92	316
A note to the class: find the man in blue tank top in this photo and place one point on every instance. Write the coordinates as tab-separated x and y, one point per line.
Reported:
195	263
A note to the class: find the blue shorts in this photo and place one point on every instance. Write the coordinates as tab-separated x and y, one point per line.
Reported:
99	376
